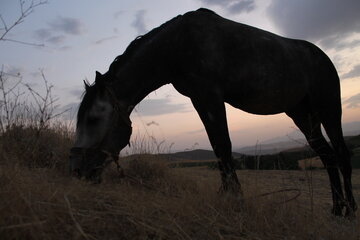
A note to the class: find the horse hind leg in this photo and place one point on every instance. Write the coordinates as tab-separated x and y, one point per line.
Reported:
331	120
309	124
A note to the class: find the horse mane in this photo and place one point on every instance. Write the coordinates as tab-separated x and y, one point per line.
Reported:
137	43
88	97
141	39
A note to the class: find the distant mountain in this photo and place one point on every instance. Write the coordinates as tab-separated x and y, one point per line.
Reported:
271	148
198	154
284	159
292	140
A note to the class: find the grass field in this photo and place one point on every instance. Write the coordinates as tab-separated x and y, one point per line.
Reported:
156	202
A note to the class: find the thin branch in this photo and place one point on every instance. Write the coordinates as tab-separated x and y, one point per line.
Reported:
2	73
4	23
24	12
14	86
22	42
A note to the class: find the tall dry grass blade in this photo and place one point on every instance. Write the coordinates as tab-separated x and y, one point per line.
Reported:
22	225
183	234
77	225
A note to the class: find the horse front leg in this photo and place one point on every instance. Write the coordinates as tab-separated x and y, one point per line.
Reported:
213	115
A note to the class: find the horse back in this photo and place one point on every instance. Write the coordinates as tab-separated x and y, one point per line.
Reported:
250	66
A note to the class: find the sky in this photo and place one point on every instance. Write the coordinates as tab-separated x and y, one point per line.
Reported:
80	37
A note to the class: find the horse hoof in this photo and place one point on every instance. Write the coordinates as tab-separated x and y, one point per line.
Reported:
231	188
350	214
233	191
337	211
350	211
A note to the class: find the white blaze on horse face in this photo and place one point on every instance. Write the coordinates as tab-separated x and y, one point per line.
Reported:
95	125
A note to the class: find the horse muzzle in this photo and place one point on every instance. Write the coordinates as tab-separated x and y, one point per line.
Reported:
86	163
75	161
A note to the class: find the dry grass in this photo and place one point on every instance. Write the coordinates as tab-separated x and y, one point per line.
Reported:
156	202
35	147
311	163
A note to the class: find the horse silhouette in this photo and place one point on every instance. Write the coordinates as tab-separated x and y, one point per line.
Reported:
213	60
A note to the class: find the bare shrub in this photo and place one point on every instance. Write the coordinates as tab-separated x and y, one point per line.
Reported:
33	148
30	133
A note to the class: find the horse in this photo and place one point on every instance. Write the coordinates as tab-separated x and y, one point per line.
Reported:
213	60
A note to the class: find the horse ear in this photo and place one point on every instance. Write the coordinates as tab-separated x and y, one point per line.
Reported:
97	75
99	78
87	85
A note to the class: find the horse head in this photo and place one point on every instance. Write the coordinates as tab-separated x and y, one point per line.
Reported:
103	128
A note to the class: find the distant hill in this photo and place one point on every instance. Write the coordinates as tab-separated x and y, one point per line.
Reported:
264	149
292	140
198	154
271	148
287	159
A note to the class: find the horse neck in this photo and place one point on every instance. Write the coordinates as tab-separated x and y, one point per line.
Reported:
136	84
144	70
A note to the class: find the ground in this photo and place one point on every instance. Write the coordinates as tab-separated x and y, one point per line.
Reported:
157	202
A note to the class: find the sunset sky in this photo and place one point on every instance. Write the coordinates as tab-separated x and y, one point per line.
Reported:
83	36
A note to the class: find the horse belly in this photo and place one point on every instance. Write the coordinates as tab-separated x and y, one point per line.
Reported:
267	85
267	100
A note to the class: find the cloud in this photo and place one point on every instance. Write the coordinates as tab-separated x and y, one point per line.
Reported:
233	6
339	42
355	72
152	107
43	33
64	48
13	71
72	26
353	102
117	14
239	7
56	39
139	22
101	41
58	29
316	20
